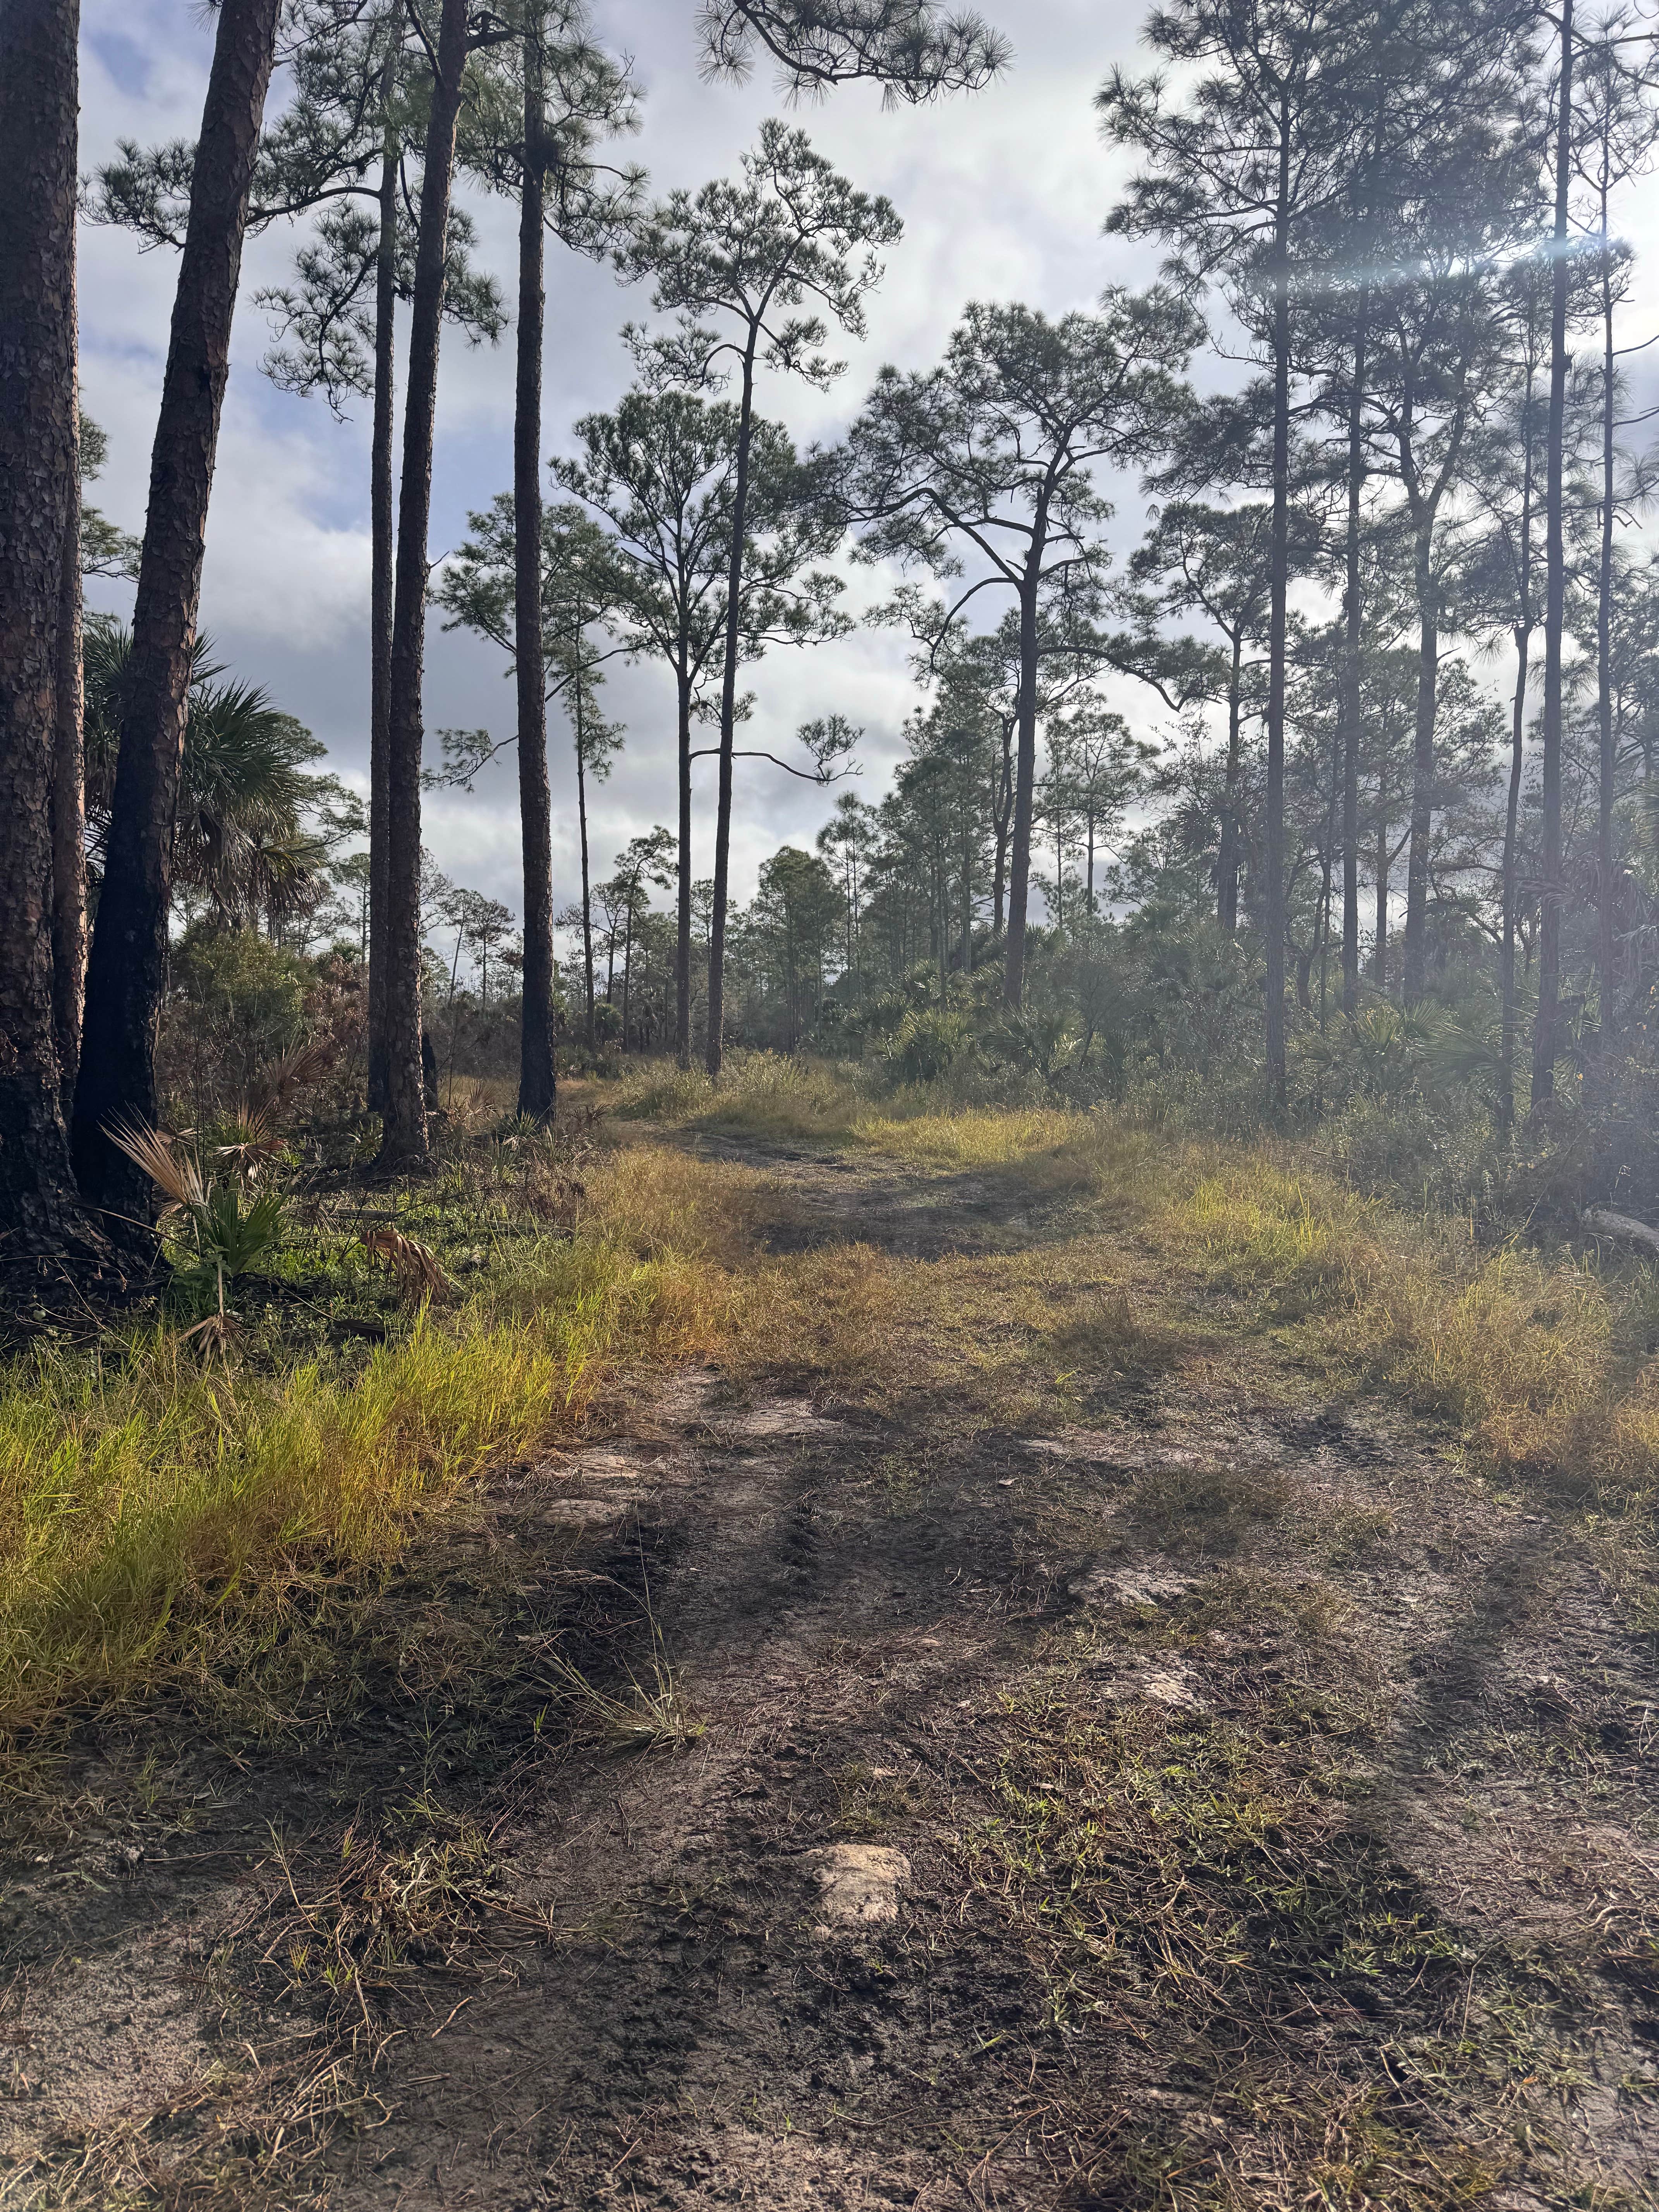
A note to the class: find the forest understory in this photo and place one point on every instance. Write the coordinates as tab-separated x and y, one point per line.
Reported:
1020	1712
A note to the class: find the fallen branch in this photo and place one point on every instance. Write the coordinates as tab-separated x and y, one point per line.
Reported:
1606	1223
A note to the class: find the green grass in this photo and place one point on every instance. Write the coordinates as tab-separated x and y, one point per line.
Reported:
152	1506
156	1511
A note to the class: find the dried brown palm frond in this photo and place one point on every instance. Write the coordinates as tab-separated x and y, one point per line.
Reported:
218	1335
275	1083
172	1169
413	1265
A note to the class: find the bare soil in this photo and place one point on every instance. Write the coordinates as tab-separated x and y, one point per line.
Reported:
809	1798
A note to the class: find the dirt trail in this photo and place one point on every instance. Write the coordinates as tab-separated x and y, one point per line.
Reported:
1216	1800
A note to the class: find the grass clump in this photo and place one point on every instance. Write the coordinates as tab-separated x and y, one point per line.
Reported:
155	1514
1539	1361
769	1093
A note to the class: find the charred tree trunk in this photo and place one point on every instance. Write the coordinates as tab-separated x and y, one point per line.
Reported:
126	971
403	1141
69	805
535	1073
380	580
39	144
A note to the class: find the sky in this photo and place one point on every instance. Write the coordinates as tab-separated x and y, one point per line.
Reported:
1002	193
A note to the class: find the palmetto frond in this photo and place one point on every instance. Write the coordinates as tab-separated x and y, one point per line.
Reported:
243	785
172	1169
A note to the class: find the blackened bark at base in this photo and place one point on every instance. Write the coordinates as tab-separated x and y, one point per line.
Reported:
404	1132
429	1072
381	585
126	971
1020	861
39	1212
536	1071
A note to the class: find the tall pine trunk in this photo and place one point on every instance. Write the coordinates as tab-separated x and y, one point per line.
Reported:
682	916
126	970
39	144
581	831
380	577
1555	599
1509	887
68	801
1019	857
1279	572
1226	885
728	717
1606	902
1002	816
1416	963
1352	639
1380	936
536	1076
403	1139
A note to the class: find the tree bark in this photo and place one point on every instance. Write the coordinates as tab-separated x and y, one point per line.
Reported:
126	971
582	826
1019	858
403	1138
39	145
1555	600
1606	769
69	805
1510	886
1226	890
683	919
728	717
536	1071
1002	810
1511	847
1415	972
1380	945
381	504
1353	631
1280	570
